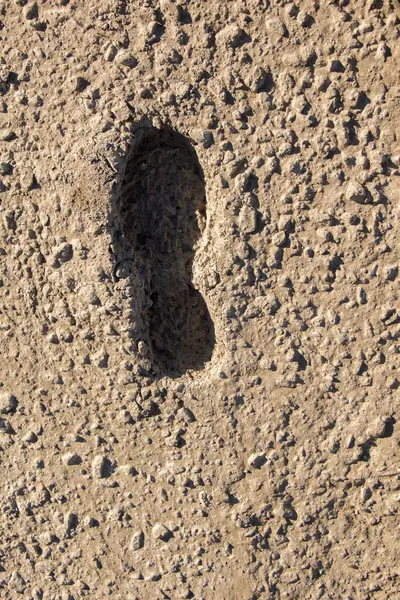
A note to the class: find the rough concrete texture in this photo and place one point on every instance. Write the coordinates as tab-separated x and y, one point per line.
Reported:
199	301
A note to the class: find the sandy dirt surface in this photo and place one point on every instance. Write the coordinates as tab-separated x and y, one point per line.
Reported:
199	299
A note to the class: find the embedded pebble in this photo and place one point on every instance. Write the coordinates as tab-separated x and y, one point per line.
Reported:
99	467
5	426
126	59
30	437
63	252
256	461
162	532
78	84
247	219
6	135
72	459
5	168
17	582
391	272
137	541
356	192
110	53
31	11
8	403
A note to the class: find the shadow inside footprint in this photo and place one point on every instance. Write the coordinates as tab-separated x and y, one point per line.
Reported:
161	211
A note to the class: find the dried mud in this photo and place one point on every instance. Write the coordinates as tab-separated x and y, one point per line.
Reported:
199	300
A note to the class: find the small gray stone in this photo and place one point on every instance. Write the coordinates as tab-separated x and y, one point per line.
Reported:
5	168
30	437
101	467
8	403
72	459
356	192
248	219
28	180
256	461
259	80
208	139
79	84
6	135
160	532
90	522
110	53
366	494
71	521
31	11
380	427
126	59
98	467
39	25
337	66
64	252
17	582
137	540
5	427
232	36
391	272
362	296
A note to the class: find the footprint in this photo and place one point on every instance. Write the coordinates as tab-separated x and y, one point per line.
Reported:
160	212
